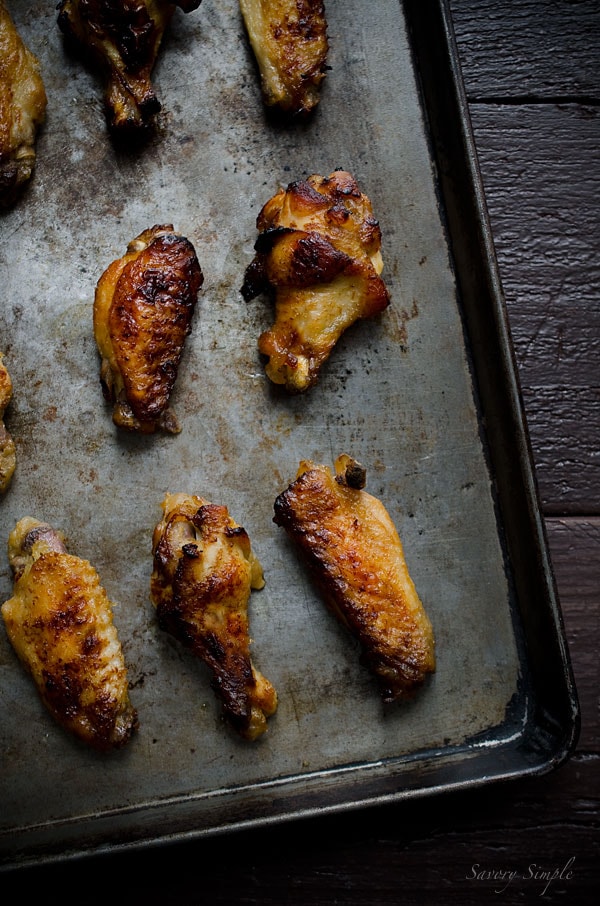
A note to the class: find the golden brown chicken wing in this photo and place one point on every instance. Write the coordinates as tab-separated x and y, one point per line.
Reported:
354	555
123	38
8	458
143	308
60	624
318	250
204	570
22	109
289	41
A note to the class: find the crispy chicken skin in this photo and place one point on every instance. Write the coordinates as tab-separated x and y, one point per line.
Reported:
22	109
355	557
143	308
60	624
123	38
203	573
8	458
289	41
318	252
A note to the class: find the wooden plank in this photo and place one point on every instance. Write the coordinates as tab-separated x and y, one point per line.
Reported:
575	551
546	226
564	426
543	49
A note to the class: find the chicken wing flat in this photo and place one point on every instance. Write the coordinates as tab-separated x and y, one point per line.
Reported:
355	557
22	109
123	38
289	41
143	308
60	624
8	457
319	253
203	574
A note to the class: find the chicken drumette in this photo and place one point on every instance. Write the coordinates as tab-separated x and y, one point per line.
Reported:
59	621
143	308
204	571
354	555
123	39
289	41
22	109
318	250
7	445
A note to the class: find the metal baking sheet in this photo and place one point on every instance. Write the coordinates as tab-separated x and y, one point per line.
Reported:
425	397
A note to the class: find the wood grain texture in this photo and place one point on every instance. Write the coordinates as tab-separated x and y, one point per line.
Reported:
545	50
532	76
575	552
546	227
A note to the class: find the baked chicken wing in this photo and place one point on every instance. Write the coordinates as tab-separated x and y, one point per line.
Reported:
60	624
318	252
355	557
123	38
202	577
289	41
22	109
143	308
8	457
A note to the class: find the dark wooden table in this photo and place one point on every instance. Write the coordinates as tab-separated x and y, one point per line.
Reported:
532	75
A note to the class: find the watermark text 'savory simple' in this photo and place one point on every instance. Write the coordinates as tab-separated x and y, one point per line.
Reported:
543	875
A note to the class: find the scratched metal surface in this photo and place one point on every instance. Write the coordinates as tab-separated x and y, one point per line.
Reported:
397	394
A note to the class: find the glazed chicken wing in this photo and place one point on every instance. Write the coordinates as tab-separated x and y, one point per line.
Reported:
318	251
123	38
143	308
204	570
60	624
22	109
289	41
353	553
8	457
